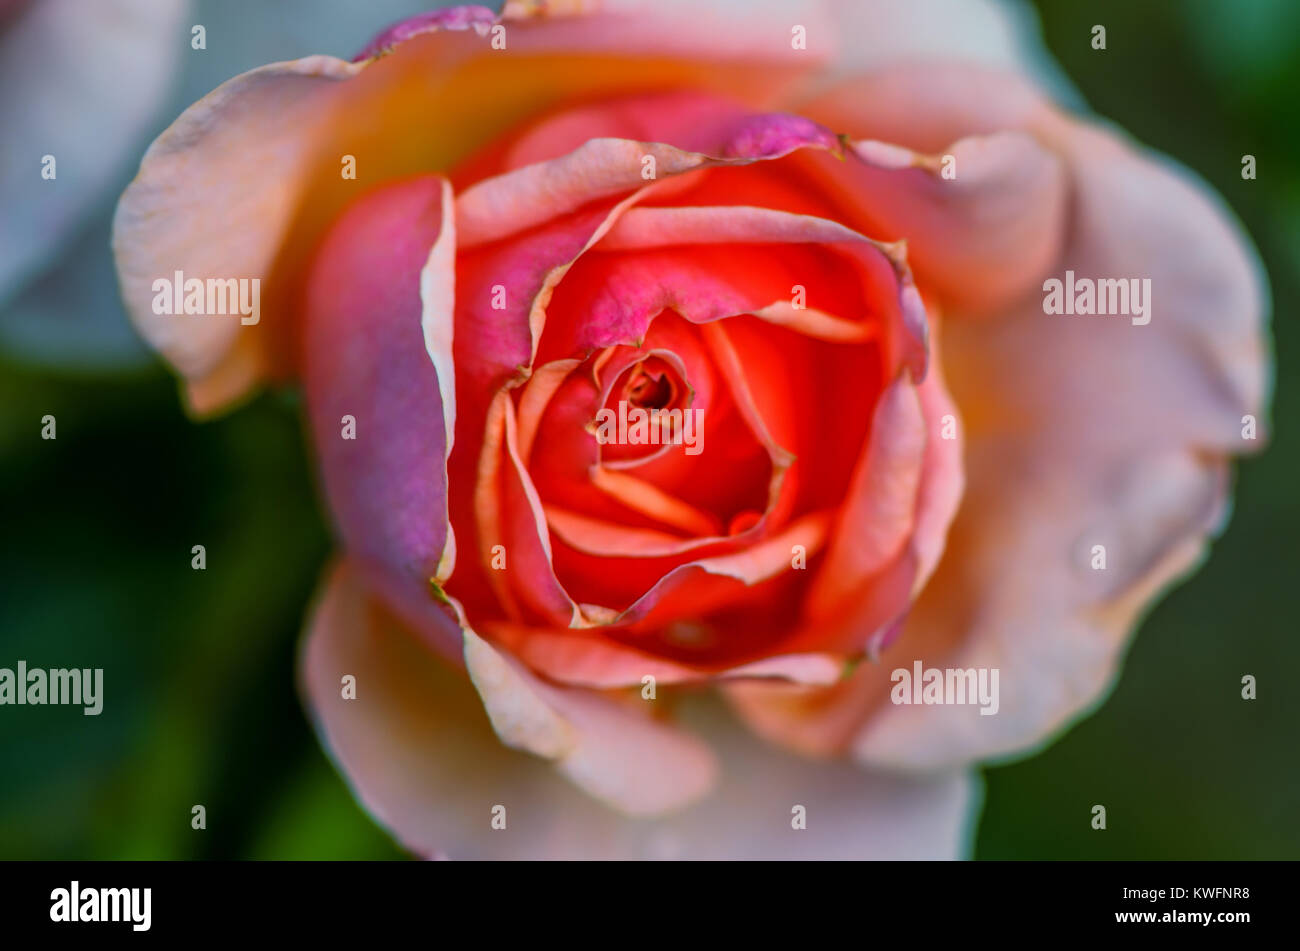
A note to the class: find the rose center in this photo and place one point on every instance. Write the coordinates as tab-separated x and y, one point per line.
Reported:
649	391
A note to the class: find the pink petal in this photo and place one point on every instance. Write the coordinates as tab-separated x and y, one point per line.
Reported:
589	658
824	721
477	18
879	511
564	175
364	356
943	473
509	513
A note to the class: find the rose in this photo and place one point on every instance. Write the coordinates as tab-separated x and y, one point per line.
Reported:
494	276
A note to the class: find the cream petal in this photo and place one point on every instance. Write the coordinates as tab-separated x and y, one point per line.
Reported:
927	106
1025	608
243	182
426	763
213	199
615	752
836	35
983	221
1086	431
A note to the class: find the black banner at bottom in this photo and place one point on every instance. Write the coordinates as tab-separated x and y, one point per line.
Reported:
136	900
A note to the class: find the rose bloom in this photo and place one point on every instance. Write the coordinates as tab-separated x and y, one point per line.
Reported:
825	230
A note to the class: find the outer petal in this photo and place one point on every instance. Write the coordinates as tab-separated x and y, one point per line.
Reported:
613	751
983	222
272	175
237	157
1081	431
837	35
262	156
426	763
928	106
110	62
365	359
1137	464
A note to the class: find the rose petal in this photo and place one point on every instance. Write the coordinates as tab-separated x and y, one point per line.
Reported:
824	721
428	766
763	561
1136	464
1080	431
943	473
615	752
365	358
879	510
979	239
477	18
927	106
503	292
284	128
838	35
604	166
262	155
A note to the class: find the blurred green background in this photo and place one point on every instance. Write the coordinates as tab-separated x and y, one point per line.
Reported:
199	666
